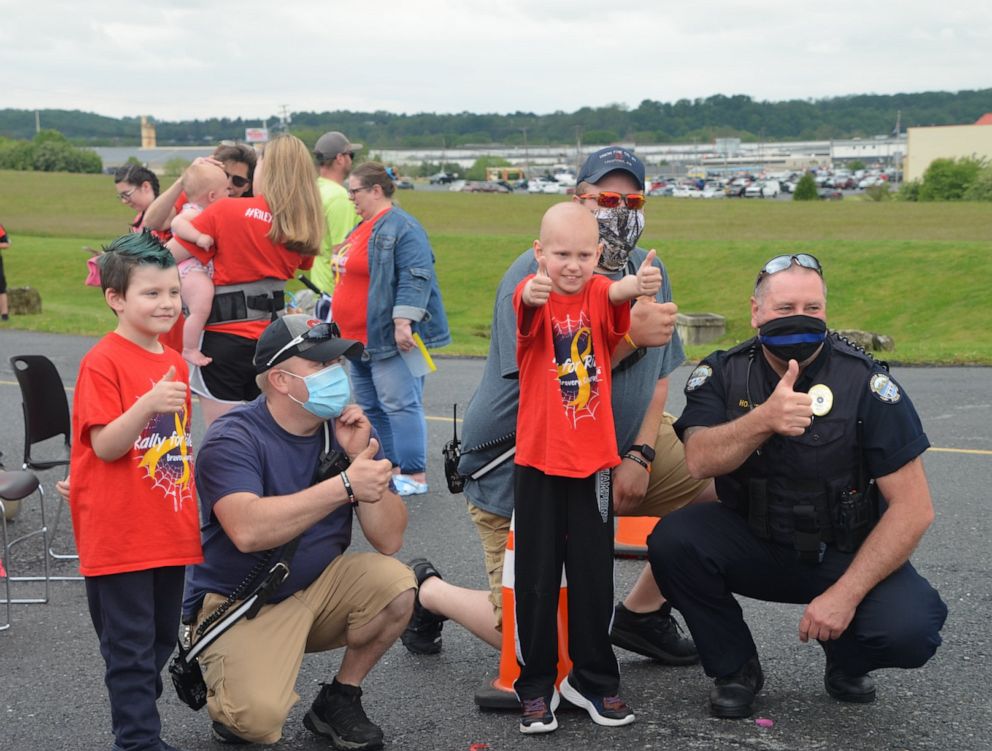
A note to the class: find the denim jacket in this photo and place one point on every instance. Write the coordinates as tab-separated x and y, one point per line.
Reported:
402	284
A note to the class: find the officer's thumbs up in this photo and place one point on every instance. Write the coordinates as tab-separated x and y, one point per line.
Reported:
789	412
369	476
369	451
648	276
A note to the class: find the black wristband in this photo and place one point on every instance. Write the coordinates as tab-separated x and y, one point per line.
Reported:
639	460
347	487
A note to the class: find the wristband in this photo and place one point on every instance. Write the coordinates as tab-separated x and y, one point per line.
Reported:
639	460
626	338
347	486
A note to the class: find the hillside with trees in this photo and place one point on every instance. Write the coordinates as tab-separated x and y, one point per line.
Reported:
652	121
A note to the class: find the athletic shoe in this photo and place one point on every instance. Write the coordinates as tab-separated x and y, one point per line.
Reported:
611	711
538	715
406	485
656	635
337	714
423	635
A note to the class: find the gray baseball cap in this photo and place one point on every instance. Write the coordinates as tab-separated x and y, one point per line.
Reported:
302	336
333	143
600	163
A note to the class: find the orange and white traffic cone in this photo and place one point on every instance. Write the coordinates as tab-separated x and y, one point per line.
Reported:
498	693
630	540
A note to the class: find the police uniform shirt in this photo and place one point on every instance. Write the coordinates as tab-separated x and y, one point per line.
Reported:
892	433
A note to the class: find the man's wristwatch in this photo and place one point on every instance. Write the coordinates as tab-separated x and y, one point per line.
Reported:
644	450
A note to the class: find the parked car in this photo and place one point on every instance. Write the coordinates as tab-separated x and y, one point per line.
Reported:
770	188
404	184
483	186
829	194
442	178
712	191
661	190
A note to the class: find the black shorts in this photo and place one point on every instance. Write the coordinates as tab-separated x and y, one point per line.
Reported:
3	279
231	375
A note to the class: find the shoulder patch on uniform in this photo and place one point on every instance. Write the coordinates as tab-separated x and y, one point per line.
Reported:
698	377
884	388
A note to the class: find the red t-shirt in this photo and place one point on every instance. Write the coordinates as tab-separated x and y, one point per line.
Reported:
242	251
565	418
138	512
349	304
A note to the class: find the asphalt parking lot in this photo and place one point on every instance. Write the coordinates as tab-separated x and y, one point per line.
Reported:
52	695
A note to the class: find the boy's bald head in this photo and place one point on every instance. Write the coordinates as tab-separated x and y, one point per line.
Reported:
571	217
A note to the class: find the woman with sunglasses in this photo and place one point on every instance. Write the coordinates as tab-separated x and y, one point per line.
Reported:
238	162
259	243
386	292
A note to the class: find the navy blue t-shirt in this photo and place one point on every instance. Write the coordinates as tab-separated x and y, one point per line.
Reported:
246	451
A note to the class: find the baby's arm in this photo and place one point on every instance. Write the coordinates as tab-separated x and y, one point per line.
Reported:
110	442
647	281
182	227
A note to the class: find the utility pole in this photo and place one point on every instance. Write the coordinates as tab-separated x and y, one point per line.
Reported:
284	117
37	121
578	148
526	157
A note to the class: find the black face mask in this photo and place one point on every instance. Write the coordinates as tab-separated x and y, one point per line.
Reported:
793	337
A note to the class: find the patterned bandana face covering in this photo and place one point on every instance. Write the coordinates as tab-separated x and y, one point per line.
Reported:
619	231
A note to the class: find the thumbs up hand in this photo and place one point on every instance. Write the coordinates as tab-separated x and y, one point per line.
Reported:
538	288
168	395
648	276
789	412
369	476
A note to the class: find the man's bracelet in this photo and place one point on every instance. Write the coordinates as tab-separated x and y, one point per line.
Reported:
639	460
348	489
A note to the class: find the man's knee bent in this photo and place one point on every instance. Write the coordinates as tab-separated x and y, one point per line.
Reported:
255	714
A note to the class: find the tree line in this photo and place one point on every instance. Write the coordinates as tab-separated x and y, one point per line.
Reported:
684	121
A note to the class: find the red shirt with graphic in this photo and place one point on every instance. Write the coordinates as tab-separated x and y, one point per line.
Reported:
349	305
565	418
242	251
139	511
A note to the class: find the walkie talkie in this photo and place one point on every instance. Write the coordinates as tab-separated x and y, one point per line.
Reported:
451	453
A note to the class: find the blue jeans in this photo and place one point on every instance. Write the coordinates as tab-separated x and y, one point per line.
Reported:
393	400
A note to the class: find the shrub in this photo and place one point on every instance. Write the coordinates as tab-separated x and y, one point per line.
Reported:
805	188
176	166
879	192
981	188
949	179
909	191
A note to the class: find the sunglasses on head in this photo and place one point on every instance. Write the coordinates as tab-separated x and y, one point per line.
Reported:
781	263
237	180
607	199
319	333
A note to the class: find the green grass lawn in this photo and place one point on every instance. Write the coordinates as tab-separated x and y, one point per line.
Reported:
917	272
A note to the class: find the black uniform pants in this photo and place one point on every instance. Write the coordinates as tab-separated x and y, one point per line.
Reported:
557	521
702	555
136	617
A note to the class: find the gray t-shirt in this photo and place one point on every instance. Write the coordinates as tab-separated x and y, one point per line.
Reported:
492	412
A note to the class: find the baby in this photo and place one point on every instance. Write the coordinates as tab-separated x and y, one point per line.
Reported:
203	183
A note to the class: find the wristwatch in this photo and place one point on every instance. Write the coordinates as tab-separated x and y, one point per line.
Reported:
646	451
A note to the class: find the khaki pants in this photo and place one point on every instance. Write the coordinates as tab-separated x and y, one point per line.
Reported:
670	488
251	670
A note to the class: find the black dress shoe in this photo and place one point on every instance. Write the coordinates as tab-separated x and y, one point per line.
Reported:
733	695
859	689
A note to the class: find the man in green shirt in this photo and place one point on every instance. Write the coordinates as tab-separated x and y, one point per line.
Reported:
335	155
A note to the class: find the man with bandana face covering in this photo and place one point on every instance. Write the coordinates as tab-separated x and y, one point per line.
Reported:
652	479
816	453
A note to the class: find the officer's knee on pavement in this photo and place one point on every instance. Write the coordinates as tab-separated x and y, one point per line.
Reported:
259	719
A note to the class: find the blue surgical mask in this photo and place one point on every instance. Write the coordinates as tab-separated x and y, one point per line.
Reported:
329	389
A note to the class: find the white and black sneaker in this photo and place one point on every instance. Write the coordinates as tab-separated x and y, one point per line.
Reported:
538	715
611	711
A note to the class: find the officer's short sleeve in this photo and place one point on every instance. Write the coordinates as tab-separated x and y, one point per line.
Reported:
892	433
705	396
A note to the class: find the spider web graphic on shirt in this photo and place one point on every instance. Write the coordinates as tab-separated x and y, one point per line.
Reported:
166	457
575	367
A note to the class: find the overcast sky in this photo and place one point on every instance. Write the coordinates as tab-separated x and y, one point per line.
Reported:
180	59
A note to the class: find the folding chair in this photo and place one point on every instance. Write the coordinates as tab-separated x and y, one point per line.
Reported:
15	486
46	415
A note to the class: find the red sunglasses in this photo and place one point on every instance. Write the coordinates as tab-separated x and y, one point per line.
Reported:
610	200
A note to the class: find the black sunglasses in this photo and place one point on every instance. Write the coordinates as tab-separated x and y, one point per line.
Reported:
237	180
781	263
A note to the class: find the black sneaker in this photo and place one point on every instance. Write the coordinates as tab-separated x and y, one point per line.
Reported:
611	711
337	714
223	734
733	695
423	635
538	715
656	635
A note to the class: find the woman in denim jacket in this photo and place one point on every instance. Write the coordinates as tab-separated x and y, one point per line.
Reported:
385	291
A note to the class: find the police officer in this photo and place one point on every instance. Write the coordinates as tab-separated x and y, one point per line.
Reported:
816	453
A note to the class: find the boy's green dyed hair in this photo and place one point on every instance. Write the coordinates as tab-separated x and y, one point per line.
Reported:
121	256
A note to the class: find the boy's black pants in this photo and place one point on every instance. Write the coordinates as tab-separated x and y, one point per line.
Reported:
558	520
136	617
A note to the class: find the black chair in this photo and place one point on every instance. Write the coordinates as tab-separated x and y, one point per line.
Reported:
15	486
46	416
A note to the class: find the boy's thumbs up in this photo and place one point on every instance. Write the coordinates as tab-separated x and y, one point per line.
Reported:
648	260
170	374
542	266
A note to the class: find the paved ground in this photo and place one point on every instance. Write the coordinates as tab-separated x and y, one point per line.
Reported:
52	695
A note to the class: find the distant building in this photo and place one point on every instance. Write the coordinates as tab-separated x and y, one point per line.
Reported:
148	139
946	142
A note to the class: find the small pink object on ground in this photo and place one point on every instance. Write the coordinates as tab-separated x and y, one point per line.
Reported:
764	722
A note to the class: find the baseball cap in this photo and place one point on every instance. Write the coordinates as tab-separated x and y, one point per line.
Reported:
333	143
599	163
302	336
